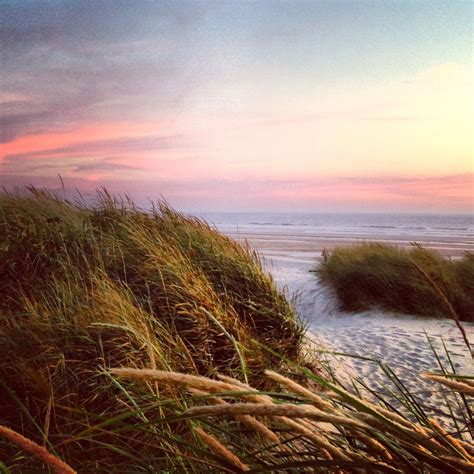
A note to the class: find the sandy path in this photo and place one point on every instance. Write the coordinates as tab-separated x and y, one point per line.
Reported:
399	341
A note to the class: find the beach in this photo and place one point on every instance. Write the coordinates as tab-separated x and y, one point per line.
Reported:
292	250
143	317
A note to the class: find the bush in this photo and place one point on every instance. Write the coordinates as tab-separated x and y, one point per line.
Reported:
376	275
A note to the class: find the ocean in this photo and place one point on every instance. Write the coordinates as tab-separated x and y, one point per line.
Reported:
281	235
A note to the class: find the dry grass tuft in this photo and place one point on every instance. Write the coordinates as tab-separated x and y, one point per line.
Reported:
319	431
221	450
53	462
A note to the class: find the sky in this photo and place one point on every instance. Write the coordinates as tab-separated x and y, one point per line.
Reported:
316	106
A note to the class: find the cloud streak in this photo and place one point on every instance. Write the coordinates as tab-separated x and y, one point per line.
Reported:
454	192
73	60
240	104
120	146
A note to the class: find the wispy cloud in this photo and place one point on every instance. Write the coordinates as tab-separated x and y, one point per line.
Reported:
454	192
120	146
83	61
227	104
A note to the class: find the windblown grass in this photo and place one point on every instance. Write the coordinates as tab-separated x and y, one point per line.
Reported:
331	430
415	281
148	342
84	288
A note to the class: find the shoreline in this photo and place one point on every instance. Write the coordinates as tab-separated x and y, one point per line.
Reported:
287	242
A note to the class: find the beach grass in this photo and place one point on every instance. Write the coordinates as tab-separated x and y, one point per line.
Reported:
87	287
323	423
135	341
412	281
308	422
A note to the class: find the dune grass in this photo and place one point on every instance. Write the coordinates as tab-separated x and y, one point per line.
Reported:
84	288
149	342
320	423
337	427
413	281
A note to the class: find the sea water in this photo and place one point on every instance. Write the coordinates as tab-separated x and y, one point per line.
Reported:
448	232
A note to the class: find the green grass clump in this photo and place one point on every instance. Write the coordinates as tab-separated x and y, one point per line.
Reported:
413	281
84	288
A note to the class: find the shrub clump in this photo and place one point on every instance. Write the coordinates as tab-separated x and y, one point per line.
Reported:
84	288
409	281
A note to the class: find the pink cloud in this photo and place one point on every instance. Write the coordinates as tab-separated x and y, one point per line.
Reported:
390	194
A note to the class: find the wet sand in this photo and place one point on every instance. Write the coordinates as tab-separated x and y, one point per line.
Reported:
287	244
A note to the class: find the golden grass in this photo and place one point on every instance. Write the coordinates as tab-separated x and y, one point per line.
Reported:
34	449
250	421
221	450
346	430
461	387
173	378
282	409
87	287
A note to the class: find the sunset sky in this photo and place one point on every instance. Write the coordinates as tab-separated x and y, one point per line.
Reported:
245	106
